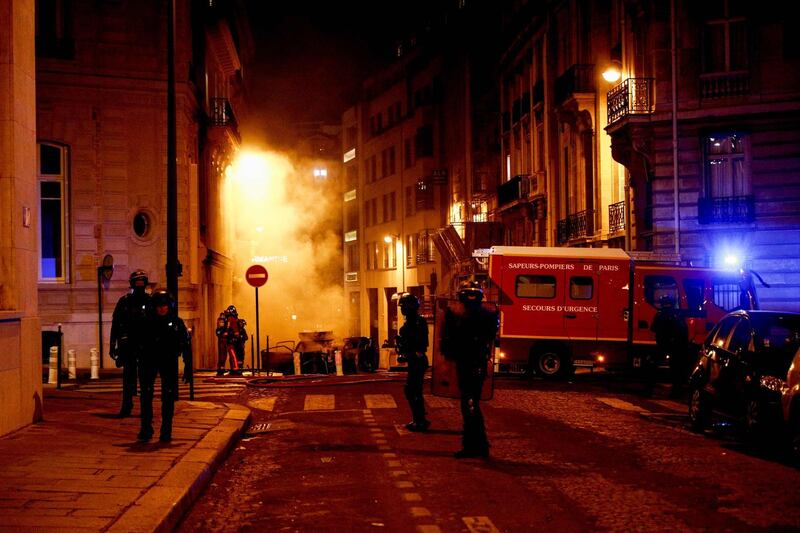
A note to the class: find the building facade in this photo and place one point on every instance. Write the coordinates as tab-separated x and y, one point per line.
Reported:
101	159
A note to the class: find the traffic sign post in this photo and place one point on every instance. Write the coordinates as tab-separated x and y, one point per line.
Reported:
257	276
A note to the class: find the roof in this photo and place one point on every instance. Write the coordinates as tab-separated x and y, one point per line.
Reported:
569	253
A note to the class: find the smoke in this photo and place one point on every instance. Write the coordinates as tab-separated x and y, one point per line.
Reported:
281	216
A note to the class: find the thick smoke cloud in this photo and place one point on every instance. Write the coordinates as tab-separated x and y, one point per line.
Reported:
280	216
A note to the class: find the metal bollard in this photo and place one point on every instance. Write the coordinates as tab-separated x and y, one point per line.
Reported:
53	366
73	374
337	356
296	363
94	362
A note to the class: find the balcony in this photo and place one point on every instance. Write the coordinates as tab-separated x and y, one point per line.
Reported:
634	96
724	85
575	226
726	210
221	114
576	79
616	217
520	187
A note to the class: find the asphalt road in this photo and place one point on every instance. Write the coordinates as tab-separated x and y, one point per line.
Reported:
590	455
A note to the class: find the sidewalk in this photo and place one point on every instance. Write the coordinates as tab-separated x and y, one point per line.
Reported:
82	468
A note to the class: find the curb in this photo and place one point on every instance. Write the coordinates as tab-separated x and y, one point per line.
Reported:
162	506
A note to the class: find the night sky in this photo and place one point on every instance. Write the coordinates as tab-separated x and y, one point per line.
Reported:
312	57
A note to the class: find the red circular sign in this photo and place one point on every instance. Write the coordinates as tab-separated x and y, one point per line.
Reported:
256	275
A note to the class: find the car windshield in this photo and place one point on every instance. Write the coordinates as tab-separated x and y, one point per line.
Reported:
776	338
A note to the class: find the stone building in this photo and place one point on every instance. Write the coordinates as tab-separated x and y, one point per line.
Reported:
101	157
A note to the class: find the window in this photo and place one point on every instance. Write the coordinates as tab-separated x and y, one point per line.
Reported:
389	255
535	286
423	141
53	217
367	219
724	37
720	335
727	172
581	288
385	211
408	155
52	29
351	257
411	250
392	161
742	336
392	206
695	294
374	209
142	224
656	287
409	207
727	294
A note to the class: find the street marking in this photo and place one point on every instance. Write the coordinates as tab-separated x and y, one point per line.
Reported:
375	430
622	404
429	529
393	464
404	485
327	459
384	448
401	429
381	441
420	511
412	497
265	404
390	454
319	402
380	401
480	524
398	473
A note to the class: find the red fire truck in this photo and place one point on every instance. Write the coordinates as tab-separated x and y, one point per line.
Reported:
561	308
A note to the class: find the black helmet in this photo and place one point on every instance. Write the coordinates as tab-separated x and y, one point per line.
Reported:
162	297
137	276
470	291
408	301
231	310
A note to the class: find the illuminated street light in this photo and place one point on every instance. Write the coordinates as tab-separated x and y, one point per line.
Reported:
613	72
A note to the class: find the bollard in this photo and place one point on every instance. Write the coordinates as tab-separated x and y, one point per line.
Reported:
296	363
73	374
94	362
337	356
53	376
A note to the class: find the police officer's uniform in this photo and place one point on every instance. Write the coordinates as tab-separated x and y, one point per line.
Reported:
128	338
170	340
412	343
467	336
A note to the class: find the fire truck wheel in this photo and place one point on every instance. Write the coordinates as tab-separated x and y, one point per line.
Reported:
550	362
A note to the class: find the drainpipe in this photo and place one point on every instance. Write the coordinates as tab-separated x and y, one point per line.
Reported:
675	188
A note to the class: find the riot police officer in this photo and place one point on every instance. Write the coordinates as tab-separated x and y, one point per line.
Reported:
170	340
467	336
129	335
412	343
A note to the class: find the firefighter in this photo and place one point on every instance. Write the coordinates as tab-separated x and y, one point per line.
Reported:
672	340
222	343
170	340
412	343
128	338
236	337
467	337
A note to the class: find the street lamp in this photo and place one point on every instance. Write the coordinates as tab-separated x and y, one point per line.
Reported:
613	71
395	238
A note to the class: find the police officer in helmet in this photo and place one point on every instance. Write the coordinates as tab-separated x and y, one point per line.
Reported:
412	343
467	337
129	336
170	340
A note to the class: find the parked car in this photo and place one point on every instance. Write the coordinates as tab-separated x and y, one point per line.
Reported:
791	405
743	369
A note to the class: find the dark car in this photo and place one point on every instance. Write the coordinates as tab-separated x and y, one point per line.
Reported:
742	369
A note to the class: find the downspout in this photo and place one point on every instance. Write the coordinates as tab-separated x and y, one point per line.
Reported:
675	188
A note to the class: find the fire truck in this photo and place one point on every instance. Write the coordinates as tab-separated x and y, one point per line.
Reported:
562	308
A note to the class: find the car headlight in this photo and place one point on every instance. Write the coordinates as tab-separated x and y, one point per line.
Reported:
772	383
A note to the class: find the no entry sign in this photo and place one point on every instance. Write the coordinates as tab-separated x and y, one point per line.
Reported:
256	276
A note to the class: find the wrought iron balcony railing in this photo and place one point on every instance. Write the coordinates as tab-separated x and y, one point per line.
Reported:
520	187
726	210
634	96
724	84
221	114
577	79
616	217
575	226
